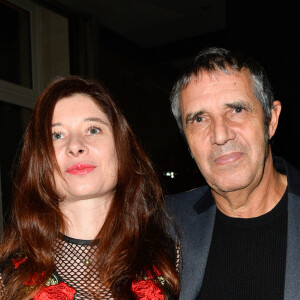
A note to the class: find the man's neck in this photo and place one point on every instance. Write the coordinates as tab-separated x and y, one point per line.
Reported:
255	200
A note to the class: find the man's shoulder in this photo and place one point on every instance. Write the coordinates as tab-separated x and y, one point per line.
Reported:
185	201
292	172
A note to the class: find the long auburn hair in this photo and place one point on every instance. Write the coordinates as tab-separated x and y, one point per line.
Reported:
134	235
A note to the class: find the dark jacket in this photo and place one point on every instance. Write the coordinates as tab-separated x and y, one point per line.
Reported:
195	211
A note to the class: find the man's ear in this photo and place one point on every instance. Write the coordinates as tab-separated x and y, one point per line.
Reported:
274	118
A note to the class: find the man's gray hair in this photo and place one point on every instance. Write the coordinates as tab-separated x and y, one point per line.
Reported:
218	59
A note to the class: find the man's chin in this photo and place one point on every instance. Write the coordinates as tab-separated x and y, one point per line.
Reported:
229	185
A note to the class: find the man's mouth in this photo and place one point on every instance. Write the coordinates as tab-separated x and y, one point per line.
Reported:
228	158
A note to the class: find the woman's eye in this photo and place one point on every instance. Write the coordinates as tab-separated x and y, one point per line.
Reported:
57	136
93	130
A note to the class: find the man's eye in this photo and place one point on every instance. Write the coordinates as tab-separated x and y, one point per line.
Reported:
198	119
57	136
93	130
238	109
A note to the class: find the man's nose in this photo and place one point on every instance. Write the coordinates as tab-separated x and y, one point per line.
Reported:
222	131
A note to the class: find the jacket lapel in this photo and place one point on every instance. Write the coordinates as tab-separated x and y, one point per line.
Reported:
292	275
195	244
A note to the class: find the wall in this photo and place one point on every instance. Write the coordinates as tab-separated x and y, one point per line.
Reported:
50	58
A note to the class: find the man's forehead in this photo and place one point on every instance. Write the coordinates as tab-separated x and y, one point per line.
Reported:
210	82
204	76
219	89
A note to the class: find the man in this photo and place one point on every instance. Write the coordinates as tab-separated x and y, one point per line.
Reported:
240	234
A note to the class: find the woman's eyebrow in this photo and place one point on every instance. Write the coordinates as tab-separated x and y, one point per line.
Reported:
99	120
56	124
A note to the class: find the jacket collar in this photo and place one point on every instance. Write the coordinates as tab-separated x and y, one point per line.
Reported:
206	202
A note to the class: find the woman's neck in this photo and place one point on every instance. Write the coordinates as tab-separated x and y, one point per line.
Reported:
84	218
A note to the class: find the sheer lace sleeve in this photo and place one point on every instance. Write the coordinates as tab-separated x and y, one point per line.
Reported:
177	263
2	289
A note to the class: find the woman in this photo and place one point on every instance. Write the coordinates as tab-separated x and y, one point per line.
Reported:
88	220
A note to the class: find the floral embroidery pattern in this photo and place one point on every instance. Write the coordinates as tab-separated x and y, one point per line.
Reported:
52	290
53	280
60	291
18	261
34	278
147	289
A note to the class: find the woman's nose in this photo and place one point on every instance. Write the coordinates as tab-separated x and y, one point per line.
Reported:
76	147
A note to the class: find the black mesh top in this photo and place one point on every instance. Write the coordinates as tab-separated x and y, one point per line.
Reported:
75	273
73	260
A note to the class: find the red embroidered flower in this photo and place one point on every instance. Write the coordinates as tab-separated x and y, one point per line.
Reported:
34	278
155	271
146	290
60	291
18	261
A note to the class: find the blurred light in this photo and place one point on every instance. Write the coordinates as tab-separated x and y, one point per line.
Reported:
170	174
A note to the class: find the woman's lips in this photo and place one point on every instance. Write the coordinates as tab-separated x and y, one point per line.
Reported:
228	158
80	169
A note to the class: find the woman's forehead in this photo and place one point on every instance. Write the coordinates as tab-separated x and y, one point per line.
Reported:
78	106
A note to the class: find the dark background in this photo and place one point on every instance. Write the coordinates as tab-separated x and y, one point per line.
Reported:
141	76
140	66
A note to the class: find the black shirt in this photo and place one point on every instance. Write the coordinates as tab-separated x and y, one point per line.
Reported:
247	257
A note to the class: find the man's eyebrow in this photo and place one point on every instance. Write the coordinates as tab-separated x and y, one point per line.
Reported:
239	104
234	104
99	120
191	116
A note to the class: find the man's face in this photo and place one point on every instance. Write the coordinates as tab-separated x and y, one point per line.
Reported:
224	126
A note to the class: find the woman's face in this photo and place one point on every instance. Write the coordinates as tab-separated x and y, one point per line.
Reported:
85	150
